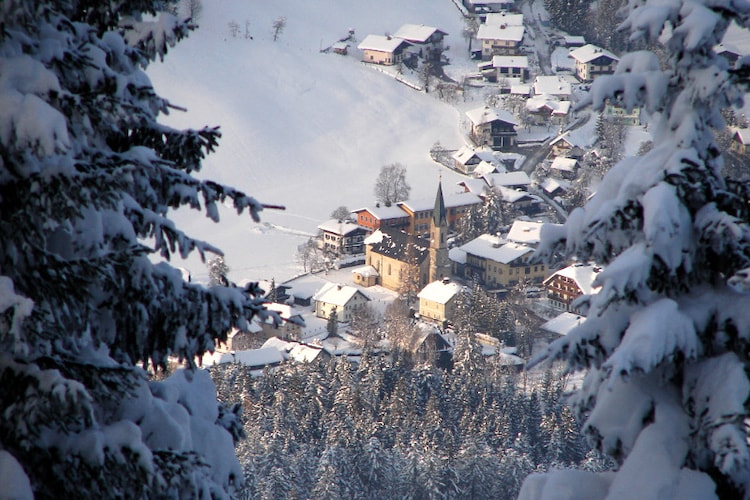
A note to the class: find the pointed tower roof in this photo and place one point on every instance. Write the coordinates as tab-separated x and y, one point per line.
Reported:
438	213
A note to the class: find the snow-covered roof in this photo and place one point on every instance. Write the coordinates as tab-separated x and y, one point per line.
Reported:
510	62
476	186
338	295
500	18
439	291
384	213
550	185
416	32
573	139
582	274
512	195
589	52
551	85
264	356
466	153
502	32
457	255
553	104
525	231
341	228
563	323
523	89
375	238
485	114
486	168
381	43
284	311
516	178
743	135
450	201
564	164
304	353
574	40
366	271
280	345
495	249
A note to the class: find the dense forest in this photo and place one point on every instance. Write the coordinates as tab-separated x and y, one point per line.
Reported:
386	428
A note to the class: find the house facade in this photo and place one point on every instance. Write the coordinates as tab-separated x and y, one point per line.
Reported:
592	61
427	41
502	40
491	127
421	211
342	237
564	168
345	300
567	284
374	218
498	264
437	300
290	327
385	50
511	67
466	159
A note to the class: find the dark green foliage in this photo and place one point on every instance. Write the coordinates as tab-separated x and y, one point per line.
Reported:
378	430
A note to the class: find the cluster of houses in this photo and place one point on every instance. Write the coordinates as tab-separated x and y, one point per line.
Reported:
410	41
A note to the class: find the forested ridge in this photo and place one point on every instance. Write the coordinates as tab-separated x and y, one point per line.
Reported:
385	428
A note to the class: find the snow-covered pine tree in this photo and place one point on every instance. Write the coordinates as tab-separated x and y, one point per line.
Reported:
666	340
87	177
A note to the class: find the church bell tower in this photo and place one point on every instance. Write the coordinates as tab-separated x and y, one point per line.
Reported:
440	266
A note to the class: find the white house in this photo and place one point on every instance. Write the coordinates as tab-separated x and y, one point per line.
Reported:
342	237
500	40
437	300
554	85
511	67
427	40
345	300
592	61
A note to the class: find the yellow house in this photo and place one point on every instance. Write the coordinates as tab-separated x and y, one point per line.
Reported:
499	264
386	50
437	301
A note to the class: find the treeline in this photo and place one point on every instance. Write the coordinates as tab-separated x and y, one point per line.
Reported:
383	428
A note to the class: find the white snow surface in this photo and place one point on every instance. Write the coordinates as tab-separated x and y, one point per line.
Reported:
301	128
16	484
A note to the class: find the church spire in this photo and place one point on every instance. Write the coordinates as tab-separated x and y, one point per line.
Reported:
438	213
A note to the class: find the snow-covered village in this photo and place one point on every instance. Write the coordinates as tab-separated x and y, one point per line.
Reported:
436	249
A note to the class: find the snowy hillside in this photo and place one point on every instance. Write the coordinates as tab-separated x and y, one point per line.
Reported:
302	128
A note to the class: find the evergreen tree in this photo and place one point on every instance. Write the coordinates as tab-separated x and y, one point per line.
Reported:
217	272
666	337
88	176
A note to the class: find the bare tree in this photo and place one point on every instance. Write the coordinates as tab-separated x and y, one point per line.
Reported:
470	29
234	28
391	186
194	9
278	27
341	213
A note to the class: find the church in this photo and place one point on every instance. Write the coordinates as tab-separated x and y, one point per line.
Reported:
399	257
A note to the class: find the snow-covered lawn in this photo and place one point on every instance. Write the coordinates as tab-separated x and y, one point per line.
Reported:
301	128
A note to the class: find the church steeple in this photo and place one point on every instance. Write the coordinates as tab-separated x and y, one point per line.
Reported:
440	266
438	213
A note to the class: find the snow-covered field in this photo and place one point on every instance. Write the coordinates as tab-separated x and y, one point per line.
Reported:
301	128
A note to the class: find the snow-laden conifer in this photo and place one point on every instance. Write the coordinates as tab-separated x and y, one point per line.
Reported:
87	179
666	340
